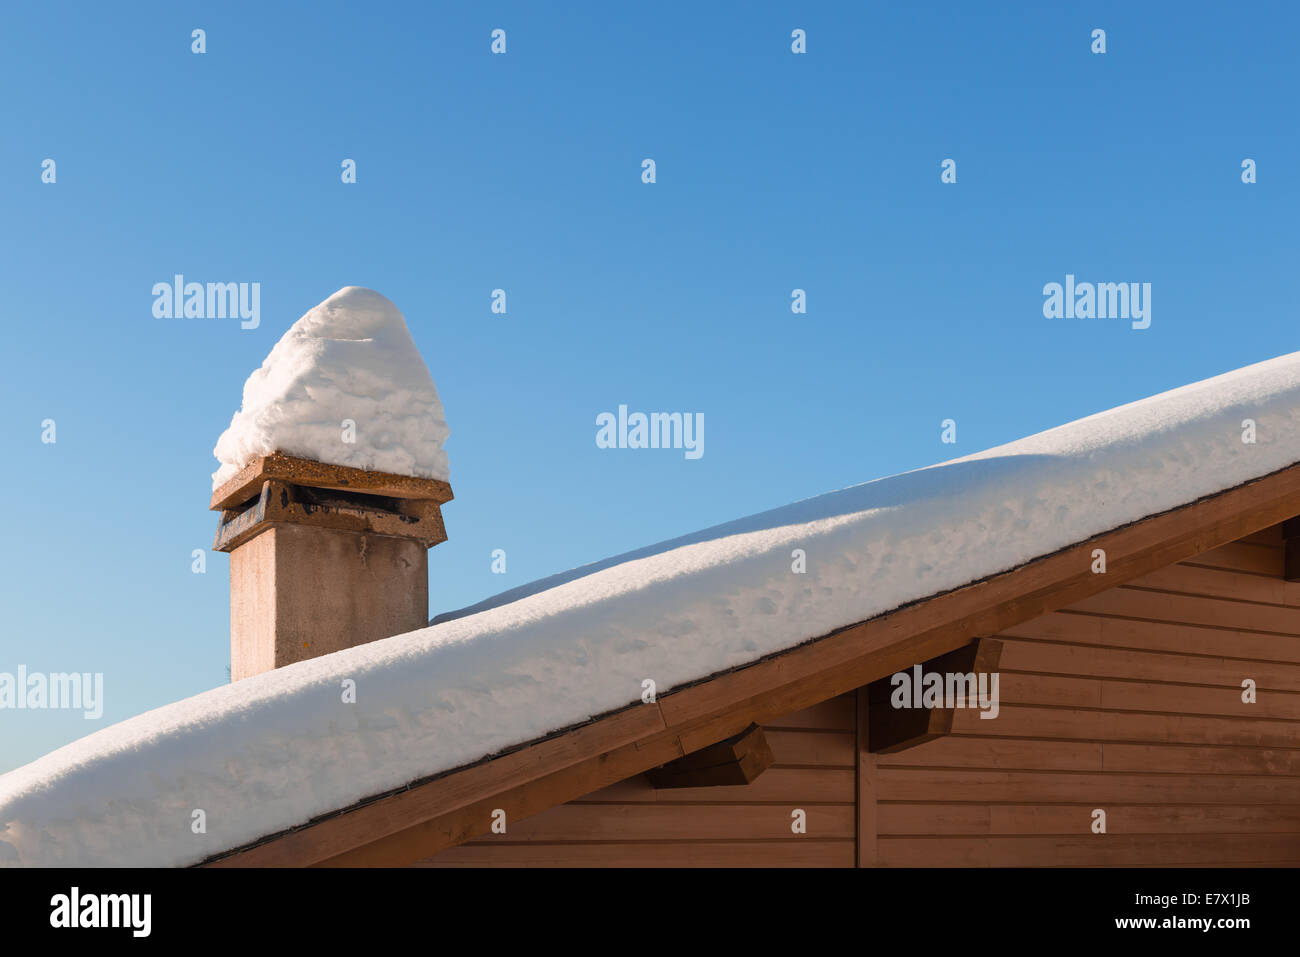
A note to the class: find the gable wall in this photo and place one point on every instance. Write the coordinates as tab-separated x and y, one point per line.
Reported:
1129	701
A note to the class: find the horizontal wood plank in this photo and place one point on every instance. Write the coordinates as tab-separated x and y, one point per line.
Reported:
1038	656
997	753
1208	760
1191	609
1076	820
1220	583
1078	724
1114	695
1048	787
1094	850
1158	636
659	822
805	852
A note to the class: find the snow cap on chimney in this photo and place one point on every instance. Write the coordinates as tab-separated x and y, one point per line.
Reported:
350	359
330	488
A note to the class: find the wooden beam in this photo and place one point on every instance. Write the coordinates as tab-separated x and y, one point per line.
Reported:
432	815
732	762
865	790
1291	541
897	729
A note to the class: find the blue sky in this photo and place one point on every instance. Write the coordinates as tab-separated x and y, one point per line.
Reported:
522	171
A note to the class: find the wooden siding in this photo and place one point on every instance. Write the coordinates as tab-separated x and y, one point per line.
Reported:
633	824
1128	701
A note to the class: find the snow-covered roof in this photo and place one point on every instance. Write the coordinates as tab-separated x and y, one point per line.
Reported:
349	359
276	750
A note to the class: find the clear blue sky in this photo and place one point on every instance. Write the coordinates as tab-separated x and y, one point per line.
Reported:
523	171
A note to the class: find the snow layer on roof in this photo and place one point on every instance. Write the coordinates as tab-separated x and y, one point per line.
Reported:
276	750
349	358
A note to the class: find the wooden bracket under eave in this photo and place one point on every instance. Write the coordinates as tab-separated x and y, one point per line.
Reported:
1291	549
736	761
892	729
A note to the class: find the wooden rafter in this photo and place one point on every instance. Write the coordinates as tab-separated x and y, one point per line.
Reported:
897	729
732	762
1291	541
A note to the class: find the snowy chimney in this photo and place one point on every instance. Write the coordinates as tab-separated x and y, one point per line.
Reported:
331	486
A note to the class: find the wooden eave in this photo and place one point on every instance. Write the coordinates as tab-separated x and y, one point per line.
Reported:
431	815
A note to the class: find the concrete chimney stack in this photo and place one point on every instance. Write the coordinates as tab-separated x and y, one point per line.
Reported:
323	557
